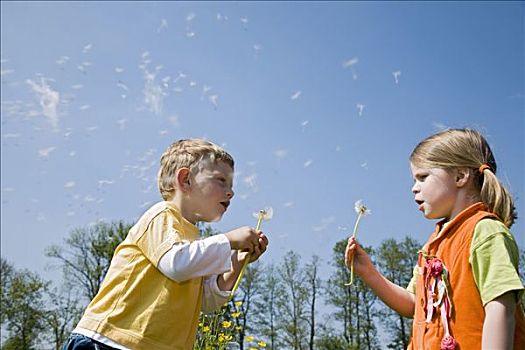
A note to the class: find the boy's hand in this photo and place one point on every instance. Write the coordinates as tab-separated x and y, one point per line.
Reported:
361	260
244	238
258	251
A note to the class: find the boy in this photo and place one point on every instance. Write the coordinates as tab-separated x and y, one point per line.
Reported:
162	275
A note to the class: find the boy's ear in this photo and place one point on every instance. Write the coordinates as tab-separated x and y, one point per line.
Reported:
183	178
462	176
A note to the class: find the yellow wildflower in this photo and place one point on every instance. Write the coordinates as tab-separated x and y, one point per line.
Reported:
226	324
222	338
249	338
236	314
238	303
205	329
261	344
238	328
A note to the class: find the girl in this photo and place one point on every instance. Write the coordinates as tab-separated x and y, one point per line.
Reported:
466	289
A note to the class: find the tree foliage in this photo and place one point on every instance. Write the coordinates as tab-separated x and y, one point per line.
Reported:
23	309
354	305
87	254
396	260
292	304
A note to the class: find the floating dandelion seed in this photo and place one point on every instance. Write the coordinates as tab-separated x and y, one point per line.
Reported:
263	214
396	75
361	211
296	95
350	62
360	108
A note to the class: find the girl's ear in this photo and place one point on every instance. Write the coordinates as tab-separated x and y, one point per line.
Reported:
462	176
183	179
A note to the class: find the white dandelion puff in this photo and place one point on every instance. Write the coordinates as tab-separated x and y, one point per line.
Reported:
265	214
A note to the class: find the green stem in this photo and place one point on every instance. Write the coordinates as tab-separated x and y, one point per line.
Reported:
352	263
238	282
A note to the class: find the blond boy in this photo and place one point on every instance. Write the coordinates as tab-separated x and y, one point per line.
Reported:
162	275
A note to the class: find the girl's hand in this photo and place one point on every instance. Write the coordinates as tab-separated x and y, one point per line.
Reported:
362	262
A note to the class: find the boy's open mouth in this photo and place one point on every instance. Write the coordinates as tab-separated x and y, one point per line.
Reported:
225	204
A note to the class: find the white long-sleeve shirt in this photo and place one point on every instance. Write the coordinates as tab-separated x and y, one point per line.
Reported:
206	258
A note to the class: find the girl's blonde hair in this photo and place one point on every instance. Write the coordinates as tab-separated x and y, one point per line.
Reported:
467	148
189	153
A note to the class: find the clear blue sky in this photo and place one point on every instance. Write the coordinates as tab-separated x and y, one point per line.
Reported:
319	103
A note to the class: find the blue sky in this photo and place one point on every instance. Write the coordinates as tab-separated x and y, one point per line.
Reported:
319	103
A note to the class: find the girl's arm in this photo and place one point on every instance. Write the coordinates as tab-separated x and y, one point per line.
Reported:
396	297
498	328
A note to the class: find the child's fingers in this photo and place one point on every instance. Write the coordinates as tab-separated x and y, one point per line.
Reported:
350	250
263	237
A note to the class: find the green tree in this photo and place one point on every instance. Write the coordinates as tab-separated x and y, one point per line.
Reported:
23	309
87	254
314	286
293	303
354	305
396	261
266	307
62	314
244	303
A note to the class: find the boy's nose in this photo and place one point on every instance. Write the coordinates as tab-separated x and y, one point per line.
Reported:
230	193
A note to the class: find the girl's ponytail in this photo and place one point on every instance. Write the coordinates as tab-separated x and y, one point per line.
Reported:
496	197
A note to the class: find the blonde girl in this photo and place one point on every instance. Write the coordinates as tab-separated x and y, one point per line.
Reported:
466	288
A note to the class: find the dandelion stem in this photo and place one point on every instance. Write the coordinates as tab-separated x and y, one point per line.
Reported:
238	282
352	262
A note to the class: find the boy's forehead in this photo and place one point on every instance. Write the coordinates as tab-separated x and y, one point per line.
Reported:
218	166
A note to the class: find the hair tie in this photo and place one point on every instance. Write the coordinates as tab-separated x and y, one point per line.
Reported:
484	167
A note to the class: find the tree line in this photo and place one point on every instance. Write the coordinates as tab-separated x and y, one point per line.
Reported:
276	302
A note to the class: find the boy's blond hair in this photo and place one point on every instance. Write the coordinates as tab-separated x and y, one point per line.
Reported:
457	148
188	153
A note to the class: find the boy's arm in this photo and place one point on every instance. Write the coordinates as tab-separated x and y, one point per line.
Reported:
211	255
199	258
499	324
394	296
227	280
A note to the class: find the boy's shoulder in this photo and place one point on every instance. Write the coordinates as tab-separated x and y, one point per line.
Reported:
157	209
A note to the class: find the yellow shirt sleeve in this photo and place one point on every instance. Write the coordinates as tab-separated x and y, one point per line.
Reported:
412	284
494	258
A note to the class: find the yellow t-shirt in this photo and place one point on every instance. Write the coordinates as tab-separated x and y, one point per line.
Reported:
494	258
137	306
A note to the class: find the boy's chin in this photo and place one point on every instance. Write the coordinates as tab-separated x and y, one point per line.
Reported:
215	219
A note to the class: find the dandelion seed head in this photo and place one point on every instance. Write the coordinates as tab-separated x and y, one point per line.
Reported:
361	209
266	213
